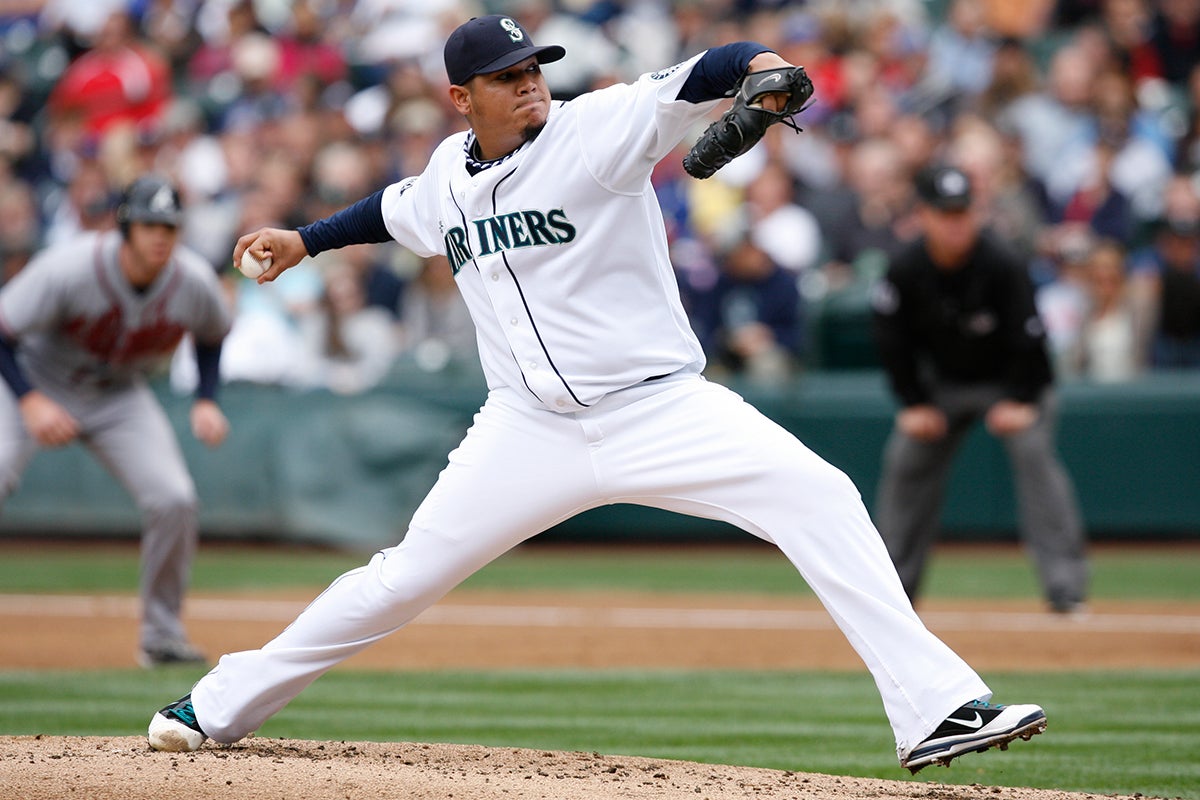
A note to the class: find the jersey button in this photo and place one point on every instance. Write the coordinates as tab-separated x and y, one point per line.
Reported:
495	276
560	402
513	321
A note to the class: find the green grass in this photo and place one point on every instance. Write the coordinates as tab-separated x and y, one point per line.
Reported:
67	567
1166	573
1109	732
1151	573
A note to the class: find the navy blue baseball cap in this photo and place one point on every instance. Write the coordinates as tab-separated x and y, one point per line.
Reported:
490	44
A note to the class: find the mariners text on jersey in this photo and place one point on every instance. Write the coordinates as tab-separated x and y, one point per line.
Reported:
515	230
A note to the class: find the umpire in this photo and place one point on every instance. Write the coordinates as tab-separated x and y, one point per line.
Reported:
959	336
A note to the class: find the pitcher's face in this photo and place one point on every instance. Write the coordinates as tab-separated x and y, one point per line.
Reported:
508	108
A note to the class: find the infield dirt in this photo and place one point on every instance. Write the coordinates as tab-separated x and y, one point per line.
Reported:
96	768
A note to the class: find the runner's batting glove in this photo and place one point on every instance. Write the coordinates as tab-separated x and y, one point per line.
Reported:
746	121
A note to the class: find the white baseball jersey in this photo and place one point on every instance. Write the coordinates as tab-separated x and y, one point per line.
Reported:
83	327
550	246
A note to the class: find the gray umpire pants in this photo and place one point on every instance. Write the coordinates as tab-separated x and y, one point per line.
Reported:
913	484
129	433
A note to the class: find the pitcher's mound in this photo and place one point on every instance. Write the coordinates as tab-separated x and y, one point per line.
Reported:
124	768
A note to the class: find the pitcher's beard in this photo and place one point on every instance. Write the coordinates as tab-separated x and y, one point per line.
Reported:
531	132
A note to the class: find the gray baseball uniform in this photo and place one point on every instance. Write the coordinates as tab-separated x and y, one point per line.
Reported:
87	339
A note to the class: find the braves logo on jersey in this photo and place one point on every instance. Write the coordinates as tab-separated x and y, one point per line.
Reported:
107	338
511	231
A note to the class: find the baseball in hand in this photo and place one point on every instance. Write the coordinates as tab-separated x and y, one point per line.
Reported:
251	267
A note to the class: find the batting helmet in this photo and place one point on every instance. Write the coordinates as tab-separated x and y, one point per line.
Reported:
152	199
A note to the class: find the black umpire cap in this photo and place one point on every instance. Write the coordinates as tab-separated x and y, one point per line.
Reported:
490	44
944	188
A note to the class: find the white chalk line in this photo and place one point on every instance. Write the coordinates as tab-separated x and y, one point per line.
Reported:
560	616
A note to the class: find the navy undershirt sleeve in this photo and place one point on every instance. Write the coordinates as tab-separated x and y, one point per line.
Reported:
718	71
208	365
361	223
10	370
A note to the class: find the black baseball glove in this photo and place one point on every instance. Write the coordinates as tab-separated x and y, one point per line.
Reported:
744	124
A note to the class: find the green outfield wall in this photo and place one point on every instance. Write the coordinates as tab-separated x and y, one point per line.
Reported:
350	470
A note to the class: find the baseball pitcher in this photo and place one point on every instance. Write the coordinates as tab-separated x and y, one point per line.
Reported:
546	213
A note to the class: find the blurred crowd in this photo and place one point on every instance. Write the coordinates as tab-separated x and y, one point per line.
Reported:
1078	122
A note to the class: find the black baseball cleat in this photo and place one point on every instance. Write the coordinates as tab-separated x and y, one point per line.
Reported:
175	729
973	728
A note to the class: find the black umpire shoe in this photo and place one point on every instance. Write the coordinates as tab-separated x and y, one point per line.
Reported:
973	728
172	652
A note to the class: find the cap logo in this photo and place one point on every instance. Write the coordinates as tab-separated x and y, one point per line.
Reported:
953	183
163	201
514	30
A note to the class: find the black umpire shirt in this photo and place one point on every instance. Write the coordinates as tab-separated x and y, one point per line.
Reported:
971	325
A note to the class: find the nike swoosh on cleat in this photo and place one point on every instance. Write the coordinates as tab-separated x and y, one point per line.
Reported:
968	723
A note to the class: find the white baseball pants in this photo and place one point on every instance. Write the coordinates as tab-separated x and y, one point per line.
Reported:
680	443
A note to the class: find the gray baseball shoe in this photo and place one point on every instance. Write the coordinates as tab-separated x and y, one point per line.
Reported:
174	728
973	728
